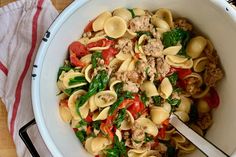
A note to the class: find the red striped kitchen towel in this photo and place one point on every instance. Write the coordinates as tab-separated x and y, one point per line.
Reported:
22	26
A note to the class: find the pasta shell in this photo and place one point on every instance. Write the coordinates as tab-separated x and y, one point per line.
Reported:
105	98
202	106
115	64
100	33
128	123
115	27
177	137
84	41
142	39
88	144
124	65
113	83
195	46
138	12
158	114
65	113
129	34
118	134
202	94
71	75
165	88
136	152
92	104
187	64
186	148
86	59
131	66
172	50
182	115
165	14
102	115
98	144
160	23
185	104
84	110
99	48
167	107
60	85
176	59
123	13
199	64
168	134
149	88
123	56
74	123
71	103
148	125
96	38
62	96
88	73
152	153
196	76
99	22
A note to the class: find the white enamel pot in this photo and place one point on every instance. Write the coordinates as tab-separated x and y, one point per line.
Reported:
215	18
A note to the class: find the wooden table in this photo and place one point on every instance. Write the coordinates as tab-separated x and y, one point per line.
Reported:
7	147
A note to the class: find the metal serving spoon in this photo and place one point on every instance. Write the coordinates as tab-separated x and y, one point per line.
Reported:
204	145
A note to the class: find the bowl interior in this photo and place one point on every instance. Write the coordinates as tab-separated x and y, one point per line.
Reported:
211	19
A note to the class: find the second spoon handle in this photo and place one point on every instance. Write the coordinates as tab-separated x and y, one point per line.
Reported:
205	146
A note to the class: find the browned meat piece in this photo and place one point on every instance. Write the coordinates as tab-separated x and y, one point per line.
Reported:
212	74
204	121
153	48
162	67
130	86
183	23
192	85
151	68
125	45
141	23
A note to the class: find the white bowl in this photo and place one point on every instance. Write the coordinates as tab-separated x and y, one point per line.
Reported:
215	18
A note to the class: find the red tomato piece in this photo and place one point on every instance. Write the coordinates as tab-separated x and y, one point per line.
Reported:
136	108
125	103
78	49
182	73
107	129
89	27
75	61
64	102
212	98
108	54
88	119
100	43
162	132
75	129
89	130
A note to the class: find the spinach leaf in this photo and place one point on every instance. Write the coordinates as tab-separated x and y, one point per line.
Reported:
81	134
118	88
148	138
96	124
128	95
76	80
118	150
173	102
95	56
177	89
98	84
157	100
70	91
120	118
132	13
140	33
115	105
112	152
65	68
171	38
81	124
144	98
173	78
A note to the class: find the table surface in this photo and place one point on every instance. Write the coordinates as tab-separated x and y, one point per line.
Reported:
7	147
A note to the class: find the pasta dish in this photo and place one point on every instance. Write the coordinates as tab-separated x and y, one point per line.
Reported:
127	73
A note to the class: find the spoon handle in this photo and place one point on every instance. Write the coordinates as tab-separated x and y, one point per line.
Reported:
205	146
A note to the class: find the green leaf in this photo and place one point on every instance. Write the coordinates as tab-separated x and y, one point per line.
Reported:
70	91
65	68
120	146
140	33
173	78
144	98
76	80
132	13
120	118
148	138
81	134
174	102
118	88
95	56
81	124
112	152
96	124
157	100
128	95
115	105
109	38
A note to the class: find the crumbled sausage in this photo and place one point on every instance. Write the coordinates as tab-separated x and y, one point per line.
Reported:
212	74
153	48
125	45
204	121
183	23
151	68
141	23
163	68
192	85
130	86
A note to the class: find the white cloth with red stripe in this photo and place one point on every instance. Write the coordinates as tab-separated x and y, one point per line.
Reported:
22	26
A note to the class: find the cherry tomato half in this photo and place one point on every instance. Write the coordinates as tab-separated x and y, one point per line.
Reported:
78	49
212	98
108	54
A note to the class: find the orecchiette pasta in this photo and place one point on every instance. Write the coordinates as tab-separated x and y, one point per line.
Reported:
128	72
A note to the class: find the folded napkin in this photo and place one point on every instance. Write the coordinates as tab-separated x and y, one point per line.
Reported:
22	26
